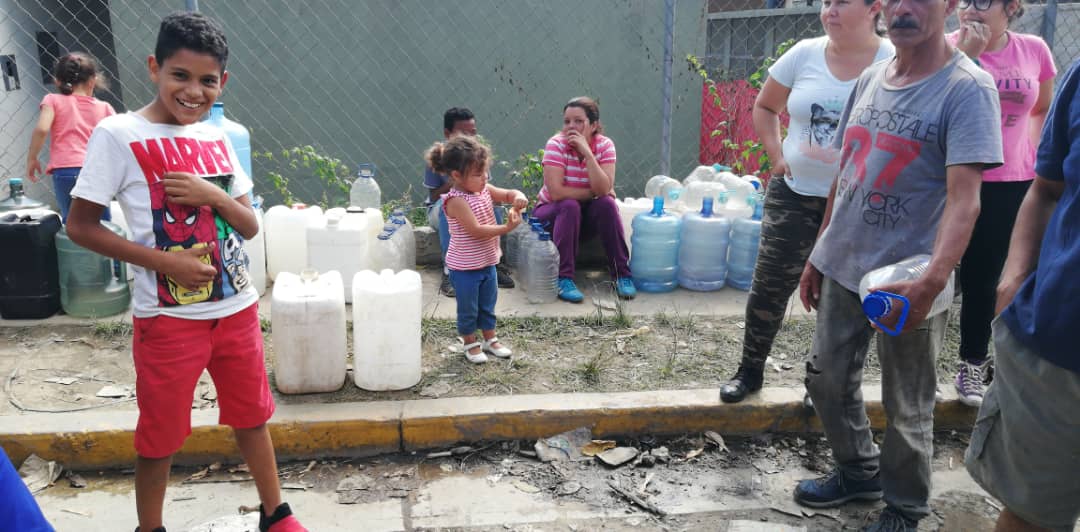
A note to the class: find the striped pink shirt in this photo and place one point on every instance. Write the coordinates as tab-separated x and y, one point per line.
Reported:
467	252
559	153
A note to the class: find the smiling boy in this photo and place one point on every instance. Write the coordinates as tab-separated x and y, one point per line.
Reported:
185	198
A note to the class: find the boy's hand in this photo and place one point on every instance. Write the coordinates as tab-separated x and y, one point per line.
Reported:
520	201
33	169
513	218
189	189
187	268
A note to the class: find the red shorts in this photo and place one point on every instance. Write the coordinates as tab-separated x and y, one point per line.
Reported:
170	355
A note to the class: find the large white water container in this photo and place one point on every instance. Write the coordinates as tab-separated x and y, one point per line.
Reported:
628	209
374	216
286	237
339	241
256	251
308	331
386	329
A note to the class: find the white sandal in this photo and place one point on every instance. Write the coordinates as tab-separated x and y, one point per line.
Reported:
501	352
478	358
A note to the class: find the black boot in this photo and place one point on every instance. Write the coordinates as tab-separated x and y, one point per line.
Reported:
745	382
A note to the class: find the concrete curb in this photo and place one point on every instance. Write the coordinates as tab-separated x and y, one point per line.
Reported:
104	439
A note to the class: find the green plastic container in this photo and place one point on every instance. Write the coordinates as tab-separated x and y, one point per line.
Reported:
91	286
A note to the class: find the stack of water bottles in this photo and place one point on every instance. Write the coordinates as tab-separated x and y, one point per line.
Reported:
712	245
395	247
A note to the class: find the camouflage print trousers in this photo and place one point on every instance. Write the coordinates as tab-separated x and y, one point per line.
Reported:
789	227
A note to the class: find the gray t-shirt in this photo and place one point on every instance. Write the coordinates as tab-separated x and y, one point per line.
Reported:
896	143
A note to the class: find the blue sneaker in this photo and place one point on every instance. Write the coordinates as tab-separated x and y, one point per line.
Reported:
891	520
835	489
568	291
624	286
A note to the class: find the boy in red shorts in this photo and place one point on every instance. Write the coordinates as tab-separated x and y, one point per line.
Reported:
185	198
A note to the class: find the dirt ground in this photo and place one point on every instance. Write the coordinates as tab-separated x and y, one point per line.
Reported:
602	352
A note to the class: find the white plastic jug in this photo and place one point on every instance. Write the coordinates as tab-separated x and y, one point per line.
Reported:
339	241
286	237
386	329
374	216
309	333
628	209
256	252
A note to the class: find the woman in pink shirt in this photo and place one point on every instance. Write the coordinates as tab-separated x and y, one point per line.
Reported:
69	117
1023	68
578	197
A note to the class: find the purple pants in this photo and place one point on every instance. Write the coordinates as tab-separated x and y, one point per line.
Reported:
575	221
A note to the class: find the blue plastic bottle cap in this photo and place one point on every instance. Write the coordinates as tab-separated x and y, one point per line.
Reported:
876	305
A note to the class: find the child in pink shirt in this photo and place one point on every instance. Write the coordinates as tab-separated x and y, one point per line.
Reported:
1023	70
68	117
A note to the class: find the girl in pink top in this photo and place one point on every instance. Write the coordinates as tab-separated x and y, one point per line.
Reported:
69	117
578	197
1023	69
474	239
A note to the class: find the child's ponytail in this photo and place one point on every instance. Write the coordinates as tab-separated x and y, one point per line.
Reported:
460	153
74	69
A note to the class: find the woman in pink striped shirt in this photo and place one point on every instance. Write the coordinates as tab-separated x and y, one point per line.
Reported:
578	197
474	239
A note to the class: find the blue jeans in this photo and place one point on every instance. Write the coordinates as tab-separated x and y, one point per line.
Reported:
477	291
63	182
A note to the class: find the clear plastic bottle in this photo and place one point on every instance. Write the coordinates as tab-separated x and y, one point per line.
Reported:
512	241
407	239
384	252
541	285
703	248
365	191
668	188
655	260
877	304
527	241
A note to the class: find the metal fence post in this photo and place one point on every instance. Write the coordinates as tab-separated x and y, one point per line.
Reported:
1049	23
669	48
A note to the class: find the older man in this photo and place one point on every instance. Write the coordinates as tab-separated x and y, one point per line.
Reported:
916	134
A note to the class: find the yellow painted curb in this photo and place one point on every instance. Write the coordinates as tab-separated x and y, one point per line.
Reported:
104	439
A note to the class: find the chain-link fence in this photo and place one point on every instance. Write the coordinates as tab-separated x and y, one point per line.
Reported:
367	81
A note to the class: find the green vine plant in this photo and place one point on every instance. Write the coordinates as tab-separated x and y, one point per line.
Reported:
526	174
333	175
750	149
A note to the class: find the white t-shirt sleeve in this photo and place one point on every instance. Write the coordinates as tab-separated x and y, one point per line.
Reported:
103	170
785	68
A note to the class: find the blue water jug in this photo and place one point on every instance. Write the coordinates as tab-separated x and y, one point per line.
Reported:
655	261
238	135
703	248
745	237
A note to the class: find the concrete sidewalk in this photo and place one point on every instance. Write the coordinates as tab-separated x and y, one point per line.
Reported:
92	440
513	302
